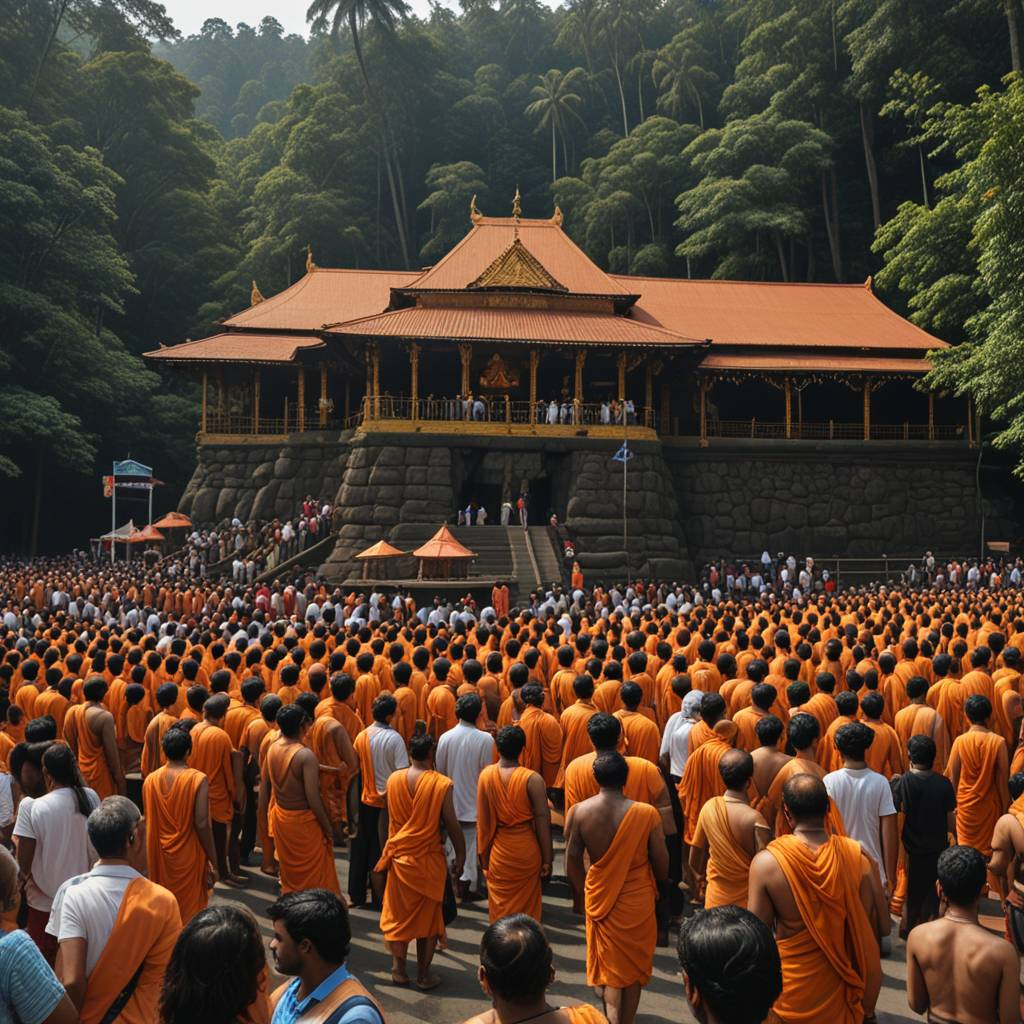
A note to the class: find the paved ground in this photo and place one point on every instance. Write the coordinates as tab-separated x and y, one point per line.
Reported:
459	996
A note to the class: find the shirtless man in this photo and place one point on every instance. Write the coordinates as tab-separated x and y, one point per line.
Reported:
303	837
956	969
823	896
729	833
768	759
1007	863
626	845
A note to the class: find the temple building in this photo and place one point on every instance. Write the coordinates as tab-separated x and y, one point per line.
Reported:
758	414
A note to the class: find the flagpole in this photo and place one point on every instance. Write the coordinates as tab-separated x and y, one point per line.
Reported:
625	470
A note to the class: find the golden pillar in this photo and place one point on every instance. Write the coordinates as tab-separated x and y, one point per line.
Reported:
202	414
375	380
465	356
788	389
931	415
621	363
300	402
323	396
414	379
256	400
648	392
534	360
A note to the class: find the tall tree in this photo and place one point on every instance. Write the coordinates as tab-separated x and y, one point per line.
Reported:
555	105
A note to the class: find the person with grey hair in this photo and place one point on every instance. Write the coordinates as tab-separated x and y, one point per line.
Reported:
115	929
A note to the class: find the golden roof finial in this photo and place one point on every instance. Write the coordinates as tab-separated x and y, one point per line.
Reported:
556	217
310	265
517	205
474	214
869	283
256	296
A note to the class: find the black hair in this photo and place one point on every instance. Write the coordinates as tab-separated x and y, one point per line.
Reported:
736	768
319	916
510	741
921	750
805	796
610	769
468	707
962	875
516	958
803	730
604	731
853	739
768	729
177	744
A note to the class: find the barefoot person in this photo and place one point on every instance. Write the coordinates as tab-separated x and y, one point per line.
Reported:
822	896
419	802
627	851
515	972
298	822
956	969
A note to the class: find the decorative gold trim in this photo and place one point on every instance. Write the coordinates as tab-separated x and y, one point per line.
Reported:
496	428
517	204
517	267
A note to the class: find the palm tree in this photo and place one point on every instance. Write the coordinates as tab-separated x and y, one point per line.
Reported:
332	15
680	78
554	106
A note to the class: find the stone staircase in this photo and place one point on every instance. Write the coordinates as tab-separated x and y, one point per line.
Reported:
549	559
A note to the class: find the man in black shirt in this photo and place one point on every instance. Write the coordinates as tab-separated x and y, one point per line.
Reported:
928	803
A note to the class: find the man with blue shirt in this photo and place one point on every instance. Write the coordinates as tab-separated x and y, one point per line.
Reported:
311	941
29	990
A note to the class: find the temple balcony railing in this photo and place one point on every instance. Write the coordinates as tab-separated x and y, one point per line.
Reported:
232	427
502	416
834	430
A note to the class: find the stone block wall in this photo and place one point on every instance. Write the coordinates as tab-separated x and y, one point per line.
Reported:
654	529
837	500
262	481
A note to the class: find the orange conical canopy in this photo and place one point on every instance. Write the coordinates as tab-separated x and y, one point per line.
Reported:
382	549
173	520
443	544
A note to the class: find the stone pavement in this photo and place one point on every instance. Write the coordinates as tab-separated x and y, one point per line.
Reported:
459	996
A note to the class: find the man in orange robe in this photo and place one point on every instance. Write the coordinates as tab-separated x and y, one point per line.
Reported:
212	755
639	730
138	947
729	833
296	817
828	753
152	744
823	897
338	763
96	742
419	802
918	719
885	755
179	841
979	768
628	856
51	701
573	723
543	753
513	826
701	779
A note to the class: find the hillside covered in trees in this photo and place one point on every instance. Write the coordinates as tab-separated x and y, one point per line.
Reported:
147	179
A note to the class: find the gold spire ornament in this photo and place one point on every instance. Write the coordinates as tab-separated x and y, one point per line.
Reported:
517	205
474	214
556	217
310	265
256	296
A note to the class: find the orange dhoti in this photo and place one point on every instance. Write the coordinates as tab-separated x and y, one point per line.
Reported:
978	803
304	853
728	868
619	899
414	859
92	760
507	844
176	857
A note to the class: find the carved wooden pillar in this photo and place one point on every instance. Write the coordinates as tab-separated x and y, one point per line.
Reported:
323	396
648	393
577	404
414	379
621	363
300	403
465	355
534	359
665	414
256	401
202	415
222	391
788	388
867	410
931	415
375	380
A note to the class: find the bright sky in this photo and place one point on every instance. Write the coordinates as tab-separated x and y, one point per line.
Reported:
189	15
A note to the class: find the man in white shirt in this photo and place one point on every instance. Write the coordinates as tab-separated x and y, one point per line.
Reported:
864	800
52	839
675	742
387	754
462	754
87	915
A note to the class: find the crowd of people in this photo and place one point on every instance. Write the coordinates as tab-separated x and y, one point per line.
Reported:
773	784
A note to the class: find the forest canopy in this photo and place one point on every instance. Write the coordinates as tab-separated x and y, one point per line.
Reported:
146	179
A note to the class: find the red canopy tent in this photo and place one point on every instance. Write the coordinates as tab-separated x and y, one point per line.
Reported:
443	557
